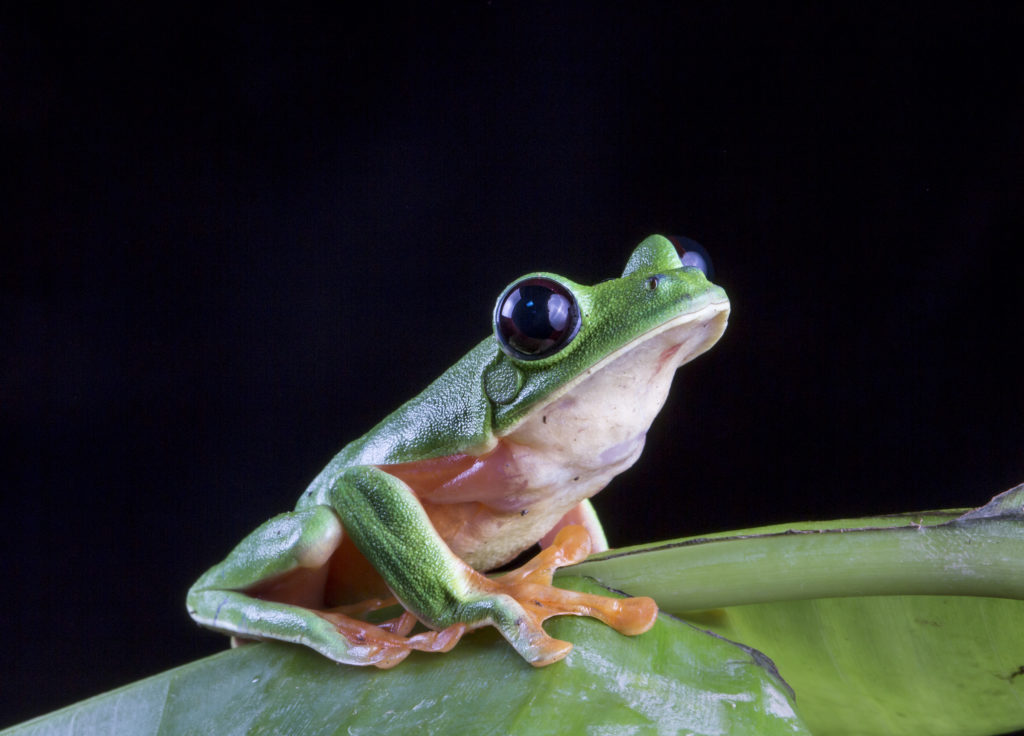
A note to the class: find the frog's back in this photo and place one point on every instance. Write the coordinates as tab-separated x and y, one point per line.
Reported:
449	417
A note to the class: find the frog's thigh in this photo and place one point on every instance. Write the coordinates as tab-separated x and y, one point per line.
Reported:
283	562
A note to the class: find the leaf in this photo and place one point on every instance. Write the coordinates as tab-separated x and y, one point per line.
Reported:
830	603
894	664
675	678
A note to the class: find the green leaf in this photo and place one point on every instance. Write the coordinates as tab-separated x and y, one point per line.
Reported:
894	664
673	679
892	625
831	604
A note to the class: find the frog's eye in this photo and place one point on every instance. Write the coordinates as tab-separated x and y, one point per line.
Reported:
692	253
535	318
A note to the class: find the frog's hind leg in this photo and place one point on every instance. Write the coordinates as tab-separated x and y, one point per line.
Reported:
271	587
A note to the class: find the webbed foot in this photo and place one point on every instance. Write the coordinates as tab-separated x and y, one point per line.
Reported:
385	645
538	600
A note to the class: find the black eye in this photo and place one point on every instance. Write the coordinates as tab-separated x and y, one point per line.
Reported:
535	318
692	253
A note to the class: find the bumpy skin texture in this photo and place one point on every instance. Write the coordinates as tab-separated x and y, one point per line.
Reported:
497	454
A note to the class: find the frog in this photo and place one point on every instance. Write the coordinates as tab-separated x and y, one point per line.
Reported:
500	453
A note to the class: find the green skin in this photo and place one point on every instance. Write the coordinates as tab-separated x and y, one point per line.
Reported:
566	423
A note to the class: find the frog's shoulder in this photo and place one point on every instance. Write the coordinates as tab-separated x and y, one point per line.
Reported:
450	416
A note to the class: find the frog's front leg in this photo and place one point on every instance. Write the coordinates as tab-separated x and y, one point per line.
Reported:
391	528
271	586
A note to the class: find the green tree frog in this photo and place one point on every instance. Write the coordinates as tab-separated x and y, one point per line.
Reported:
501	452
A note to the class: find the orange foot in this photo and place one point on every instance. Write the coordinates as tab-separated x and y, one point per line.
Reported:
385	645
530	587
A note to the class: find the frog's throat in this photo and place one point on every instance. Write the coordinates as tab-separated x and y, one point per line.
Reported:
705	326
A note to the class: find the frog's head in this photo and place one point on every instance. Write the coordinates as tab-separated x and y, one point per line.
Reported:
609	348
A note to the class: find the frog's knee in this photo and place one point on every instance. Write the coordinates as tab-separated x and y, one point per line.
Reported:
319	537
299	539
308	537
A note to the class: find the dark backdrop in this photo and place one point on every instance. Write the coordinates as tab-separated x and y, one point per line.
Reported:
234	242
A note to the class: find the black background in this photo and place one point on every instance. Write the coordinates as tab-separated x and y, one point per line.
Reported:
234	242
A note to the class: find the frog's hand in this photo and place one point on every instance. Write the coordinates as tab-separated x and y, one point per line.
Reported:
271	587
532	582
389	526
